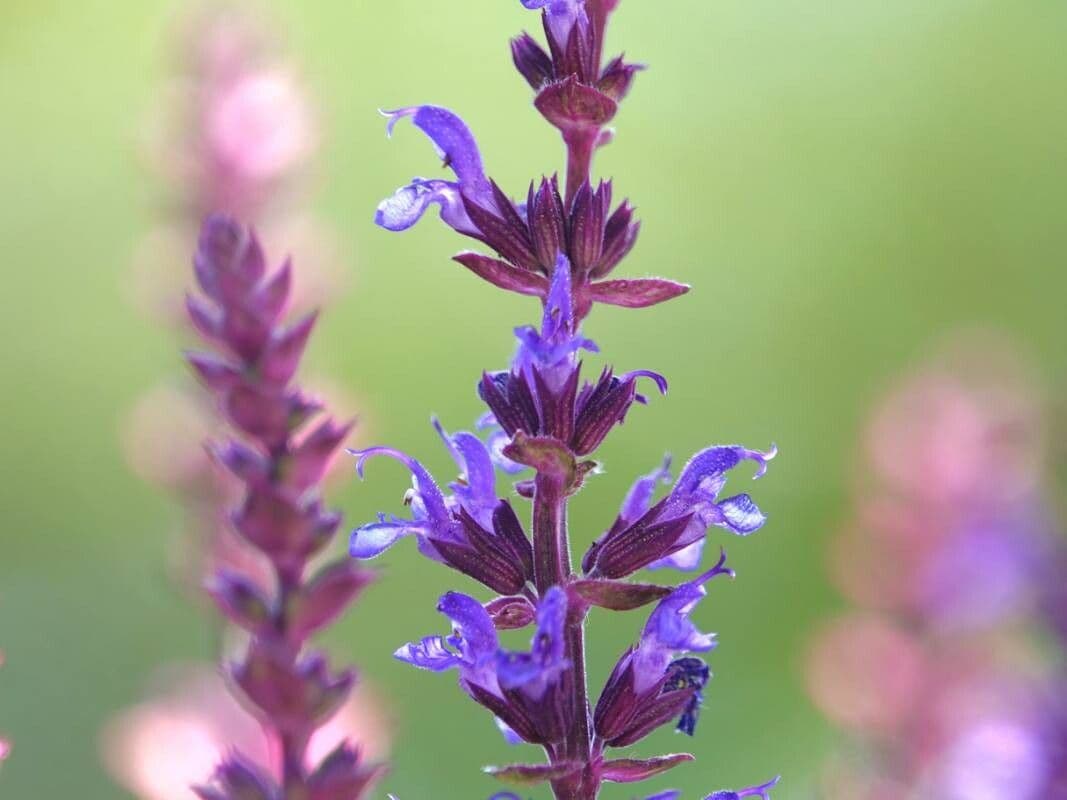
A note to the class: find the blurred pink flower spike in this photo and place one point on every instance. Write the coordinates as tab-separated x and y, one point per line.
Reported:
160	748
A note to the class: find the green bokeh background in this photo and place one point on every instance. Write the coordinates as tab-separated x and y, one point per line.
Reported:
842	182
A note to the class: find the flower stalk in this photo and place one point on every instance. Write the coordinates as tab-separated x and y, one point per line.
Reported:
280	463
545	421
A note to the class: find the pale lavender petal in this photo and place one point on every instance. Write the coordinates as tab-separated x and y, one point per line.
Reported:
741	514
409	203
507	732
669	629
536	670
431	653
374	538
685	560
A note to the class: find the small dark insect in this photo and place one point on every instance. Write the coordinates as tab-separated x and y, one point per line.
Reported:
688	673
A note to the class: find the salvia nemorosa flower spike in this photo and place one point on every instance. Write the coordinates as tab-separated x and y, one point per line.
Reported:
282	516
559	244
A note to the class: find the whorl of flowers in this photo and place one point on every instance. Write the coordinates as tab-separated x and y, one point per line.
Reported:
559	242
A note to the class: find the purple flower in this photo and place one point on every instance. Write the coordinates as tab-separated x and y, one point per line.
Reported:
471	530
671	532
520	688
561	16
650	685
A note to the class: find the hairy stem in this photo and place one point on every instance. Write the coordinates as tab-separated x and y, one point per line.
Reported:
580	146
552	567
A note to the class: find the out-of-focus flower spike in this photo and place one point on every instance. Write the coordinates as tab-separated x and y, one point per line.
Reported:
282	356
217	373
236	778
295	697
308	462
326	595
241	600
342	775
273	296
204	318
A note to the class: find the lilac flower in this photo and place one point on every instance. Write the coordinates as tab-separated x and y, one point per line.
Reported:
649	684
521	688
471	530
282	516
559	245
671	533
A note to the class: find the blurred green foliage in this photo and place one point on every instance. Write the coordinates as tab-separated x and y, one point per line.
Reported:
840	181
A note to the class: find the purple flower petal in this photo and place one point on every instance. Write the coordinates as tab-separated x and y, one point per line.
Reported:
669	629
534	671
431	653
639	499
427	494
476	487
562	15
741	514
455	144
685	560
507	732
558	339
407	205
429	509
374	538
471	647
